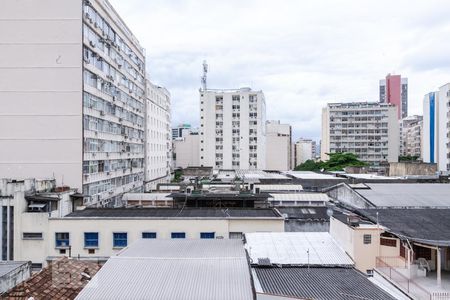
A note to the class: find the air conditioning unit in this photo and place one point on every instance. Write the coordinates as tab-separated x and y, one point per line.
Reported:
96	25
102	113
92	44
120	119
113	98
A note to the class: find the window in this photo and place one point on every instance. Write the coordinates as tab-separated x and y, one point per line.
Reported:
388	242
120	239
207	235
91	240
36	267
367	239
149	235
178	235
32	235
235	235
62	239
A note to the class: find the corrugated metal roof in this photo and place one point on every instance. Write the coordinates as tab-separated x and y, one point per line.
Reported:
310	175
279	187
8	266
145	196
186	249
407	194
300	197
296	248
178	274
317	283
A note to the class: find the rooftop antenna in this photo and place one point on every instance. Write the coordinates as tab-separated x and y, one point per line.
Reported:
205	72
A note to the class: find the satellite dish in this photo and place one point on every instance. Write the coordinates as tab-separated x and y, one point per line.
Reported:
329	212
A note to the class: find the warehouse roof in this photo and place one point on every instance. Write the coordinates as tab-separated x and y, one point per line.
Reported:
295	248
305	212
279	187
311	175
407	194
147	271
158	213
316	283
424	225
314	197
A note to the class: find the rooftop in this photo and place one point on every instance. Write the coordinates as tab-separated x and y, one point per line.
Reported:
311	175
62	279
295	248
179	269
8	266
316	283
407	194
424	225
164	213
313	197
305	212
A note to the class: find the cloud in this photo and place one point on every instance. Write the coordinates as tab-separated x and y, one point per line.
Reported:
302	54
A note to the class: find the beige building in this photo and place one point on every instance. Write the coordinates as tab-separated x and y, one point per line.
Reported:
232	129
368	129
158	140
186	150
278	146
74	109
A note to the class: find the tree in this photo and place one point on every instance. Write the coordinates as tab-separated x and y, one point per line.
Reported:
308	165
406	158
336	162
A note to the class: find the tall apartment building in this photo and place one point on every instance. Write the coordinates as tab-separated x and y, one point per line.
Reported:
181	130
72	96
411	136
305	149
435	127
394	90
278	146
368	129
232	129
158	140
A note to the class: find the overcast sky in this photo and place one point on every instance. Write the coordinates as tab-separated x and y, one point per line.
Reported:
302	54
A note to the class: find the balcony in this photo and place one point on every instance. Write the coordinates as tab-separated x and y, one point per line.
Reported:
414	279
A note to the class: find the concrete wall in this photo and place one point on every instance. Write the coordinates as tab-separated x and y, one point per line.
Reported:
278	146
20	273
402	169
187	151
40	90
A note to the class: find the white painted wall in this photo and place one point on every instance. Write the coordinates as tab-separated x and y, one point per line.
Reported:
278	146
40	90
187	150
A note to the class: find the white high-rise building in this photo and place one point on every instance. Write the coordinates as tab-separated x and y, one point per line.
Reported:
368	129
232	129
72	96
278	146
158	140
435	146
305	149
181	130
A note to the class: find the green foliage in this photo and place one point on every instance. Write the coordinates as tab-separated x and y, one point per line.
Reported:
406	158
336	162
177	176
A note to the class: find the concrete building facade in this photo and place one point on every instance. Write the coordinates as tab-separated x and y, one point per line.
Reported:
158	141
368	129
232	129
411	136
305	149
181	130
186	150
394	90
278	146
74	110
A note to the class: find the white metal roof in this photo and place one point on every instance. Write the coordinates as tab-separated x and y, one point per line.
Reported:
146	196
192	269
315	197
291	248
279	187
371	176
310	175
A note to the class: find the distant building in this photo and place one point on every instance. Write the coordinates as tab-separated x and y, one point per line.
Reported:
232	129
158	142
394	90
411	136
278	146
180	130
186	150
305	149
436	138
368	129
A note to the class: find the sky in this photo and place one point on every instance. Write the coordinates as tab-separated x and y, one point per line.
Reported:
301	54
